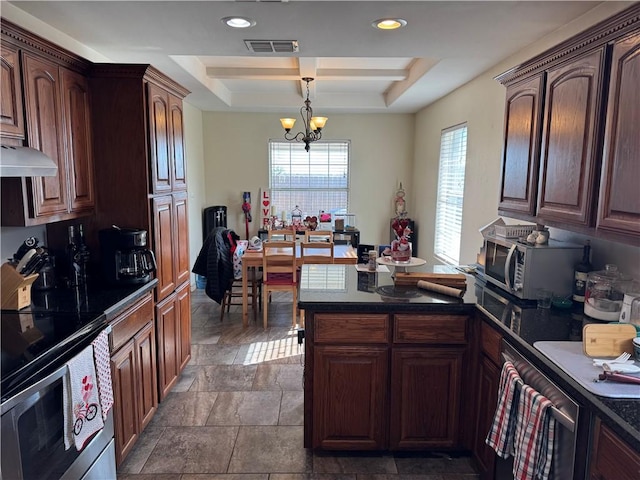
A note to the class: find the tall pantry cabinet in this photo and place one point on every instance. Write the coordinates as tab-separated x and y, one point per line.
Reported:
139	149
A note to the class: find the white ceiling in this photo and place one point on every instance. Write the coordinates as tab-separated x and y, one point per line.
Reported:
357	68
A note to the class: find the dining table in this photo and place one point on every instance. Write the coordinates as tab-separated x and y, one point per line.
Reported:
252	259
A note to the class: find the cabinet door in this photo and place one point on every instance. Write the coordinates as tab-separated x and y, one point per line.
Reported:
164	245
178	162
145	348
611	457
569	158
45	133
159	139
486	400
425	398
181	234
11	116
77	122
521	149
184	311
168	337
123	368
619	203
350	391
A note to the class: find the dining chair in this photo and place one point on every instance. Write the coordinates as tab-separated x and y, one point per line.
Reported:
234	290
279	273
318	236
282	235
316	252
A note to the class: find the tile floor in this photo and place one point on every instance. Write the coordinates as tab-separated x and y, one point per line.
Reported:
237	414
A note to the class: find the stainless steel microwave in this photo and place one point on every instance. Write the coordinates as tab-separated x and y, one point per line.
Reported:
522	269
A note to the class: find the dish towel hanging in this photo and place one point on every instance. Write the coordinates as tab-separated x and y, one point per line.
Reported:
81	405
501	433
102	360
534	437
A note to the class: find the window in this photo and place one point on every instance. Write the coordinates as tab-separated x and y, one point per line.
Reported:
315	180
453	157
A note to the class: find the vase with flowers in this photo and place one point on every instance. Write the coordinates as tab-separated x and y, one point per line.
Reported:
401	246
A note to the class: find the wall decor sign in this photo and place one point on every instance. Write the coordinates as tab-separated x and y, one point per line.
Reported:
265	207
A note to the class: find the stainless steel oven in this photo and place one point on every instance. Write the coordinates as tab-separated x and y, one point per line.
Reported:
33	441
35	351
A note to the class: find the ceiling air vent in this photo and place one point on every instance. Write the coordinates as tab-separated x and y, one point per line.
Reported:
272	46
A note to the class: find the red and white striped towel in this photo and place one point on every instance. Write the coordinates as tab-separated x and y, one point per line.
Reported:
501	434
534	437
102	359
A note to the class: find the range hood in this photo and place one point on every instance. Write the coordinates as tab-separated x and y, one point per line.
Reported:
25	162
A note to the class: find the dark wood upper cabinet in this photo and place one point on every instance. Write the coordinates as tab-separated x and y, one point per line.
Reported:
570	154
45	132
11	115
619	204
77	122
521	149
178	161
159	139
578	171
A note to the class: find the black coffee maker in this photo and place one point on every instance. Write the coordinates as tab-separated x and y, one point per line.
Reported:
125	257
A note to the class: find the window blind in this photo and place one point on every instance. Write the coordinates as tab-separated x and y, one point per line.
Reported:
448	228
315	180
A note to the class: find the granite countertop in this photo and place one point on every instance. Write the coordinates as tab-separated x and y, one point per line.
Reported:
92	298
343	288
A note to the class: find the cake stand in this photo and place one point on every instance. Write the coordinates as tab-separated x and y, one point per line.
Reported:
401	266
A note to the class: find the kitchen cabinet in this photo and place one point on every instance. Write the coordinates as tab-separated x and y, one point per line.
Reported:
133	368
521	149
570	125
489	369
57	113
619	204
373	377
139	147
611	457
174	337
11	113
570	145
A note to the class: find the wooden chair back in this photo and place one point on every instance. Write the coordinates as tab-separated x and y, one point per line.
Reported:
279	273
318	236
282	235
316	252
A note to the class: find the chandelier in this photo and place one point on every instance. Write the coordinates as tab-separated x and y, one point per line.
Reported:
312	125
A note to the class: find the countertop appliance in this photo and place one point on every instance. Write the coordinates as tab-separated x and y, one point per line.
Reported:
125	257
35	350
522	269
565	411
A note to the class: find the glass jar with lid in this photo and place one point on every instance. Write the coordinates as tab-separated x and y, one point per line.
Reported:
604	293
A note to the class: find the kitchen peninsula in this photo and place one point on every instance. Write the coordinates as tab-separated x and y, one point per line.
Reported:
399	368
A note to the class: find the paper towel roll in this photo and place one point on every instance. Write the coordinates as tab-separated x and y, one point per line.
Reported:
434	287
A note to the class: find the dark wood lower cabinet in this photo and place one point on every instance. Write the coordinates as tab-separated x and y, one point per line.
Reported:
487	398
425	398
384	381
133	370
173	322
611	457
350	403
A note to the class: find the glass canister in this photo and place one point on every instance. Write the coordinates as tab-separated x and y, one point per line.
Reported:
604	293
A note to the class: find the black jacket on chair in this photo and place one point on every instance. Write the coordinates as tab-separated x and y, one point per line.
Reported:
215	261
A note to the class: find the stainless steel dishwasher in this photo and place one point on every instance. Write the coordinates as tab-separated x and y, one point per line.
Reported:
565	412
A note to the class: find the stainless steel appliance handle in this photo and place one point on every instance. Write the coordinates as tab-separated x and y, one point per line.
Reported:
150	262
561	417
507	267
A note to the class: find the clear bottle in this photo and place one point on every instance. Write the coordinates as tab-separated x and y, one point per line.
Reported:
580	273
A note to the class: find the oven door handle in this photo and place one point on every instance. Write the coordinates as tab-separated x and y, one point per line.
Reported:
507	267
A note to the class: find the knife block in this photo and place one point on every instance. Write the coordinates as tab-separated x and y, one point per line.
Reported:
15	290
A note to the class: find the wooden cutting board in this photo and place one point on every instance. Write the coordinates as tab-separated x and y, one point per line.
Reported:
608	340
455	280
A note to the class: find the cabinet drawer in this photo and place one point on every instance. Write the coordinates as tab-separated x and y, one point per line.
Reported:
126	325
438	329
490	343
351	328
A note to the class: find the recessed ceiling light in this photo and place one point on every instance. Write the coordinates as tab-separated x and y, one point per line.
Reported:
238	22
389	23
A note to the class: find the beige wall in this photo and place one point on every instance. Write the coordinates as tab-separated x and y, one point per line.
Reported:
480	103
237	159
